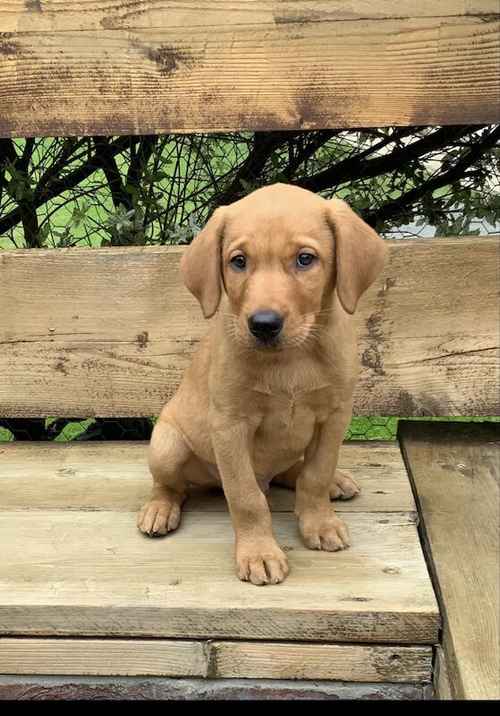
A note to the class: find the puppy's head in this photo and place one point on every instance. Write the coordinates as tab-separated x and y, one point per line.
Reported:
279	253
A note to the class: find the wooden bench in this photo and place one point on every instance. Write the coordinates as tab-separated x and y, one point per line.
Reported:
91	608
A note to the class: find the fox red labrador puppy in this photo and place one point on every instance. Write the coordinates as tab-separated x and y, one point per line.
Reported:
268	395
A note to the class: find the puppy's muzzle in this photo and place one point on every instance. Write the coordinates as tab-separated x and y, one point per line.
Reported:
265	326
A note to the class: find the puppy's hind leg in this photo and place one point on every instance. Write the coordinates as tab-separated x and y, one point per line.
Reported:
343	486
168	453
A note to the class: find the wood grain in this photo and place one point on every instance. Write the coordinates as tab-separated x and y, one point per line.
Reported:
68	70
243	660
456	471
322	661
110	657
53	16
114	476
117	329
65	573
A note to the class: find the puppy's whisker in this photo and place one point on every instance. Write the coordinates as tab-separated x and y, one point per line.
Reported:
232	330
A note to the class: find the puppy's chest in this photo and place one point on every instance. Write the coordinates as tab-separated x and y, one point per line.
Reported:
291	410
284	414
283	429
288	393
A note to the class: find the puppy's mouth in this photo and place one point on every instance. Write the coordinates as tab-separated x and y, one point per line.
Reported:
268	344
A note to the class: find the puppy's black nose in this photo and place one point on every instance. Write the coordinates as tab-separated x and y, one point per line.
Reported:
265	325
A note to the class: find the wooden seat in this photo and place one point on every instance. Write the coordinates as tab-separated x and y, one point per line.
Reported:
73	563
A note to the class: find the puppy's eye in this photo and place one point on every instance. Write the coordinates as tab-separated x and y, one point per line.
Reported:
238	262
305	259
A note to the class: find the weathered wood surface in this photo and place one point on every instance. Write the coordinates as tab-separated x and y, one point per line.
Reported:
70	572
178	689
115	476
52	16
74	564
160	657
116	330
116	657
70	568
92	68
322	661
456	474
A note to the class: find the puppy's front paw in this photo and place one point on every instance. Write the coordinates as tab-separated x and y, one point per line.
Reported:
159	516
343	487
261	562
324	530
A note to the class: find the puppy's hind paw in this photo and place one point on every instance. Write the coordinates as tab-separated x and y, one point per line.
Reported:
343	487
324	531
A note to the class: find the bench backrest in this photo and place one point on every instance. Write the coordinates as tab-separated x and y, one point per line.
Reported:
108	332
149	67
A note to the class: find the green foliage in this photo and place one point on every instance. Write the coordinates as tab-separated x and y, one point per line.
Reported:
160	190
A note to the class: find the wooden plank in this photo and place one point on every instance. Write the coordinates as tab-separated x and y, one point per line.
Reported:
115	476
455	470
110	657
158	657
67	572
116	331
20	16
245	65
322	661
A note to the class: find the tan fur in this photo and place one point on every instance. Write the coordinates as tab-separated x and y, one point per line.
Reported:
245	415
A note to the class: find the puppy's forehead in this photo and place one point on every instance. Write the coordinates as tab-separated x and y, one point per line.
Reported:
277	209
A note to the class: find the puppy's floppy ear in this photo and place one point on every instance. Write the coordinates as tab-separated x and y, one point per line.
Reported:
201	264
359	253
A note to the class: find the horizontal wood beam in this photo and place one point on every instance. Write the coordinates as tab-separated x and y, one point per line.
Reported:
125	585
72	477
109	332
51	16
147	68
160	657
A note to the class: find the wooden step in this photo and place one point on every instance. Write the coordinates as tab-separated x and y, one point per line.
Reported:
455	469
216	659
74	565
